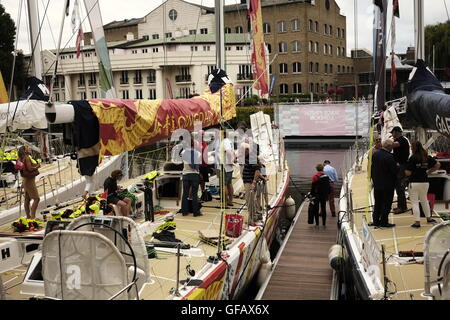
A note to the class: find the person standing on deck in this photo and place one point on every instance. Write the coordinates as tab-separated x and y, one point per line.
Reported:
419	165
401	155
251	174
228	164
332	174
384	173
191	179
320	190
29	173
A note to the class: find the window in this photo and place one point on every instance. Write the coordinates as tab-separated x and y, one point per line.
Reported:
206	48
343	52
155	50
296	67
168	35
339	68
93	94
297	88
283	68
211	68
239	48
317	87
124	78
92	79
204	30
310	25
295	46
311	67
245	72
185	92
325	29
56	97
284	89
83	95
138	77
138	94
192	32
295	25
330	50
330	31
134	51
348	69
239	29
282	47
144	50
316	47
151	76
331	69
146	37
269	48
338	51
194	48
343	33
311	87
270	68
282	26
152	94
266	28
125	94
317	67
326	68
338	32
325	49
81	81
316	27
228	48
173	15
227	30
311	46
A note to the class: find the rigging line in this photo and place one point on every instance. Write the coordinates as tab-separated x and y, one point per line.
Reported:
446	9
73	34
247	41
196	28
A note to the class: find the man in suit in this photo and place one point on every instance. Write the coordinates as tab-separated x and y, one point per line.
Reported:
384	174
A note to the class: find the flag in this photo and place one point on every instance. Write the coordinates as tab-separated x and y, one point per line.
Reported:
80	37
396	10
3	94
258	57
76	25
379	3
393	72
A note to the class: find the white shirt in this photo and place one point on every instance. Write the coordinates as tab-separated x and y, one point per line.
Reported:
229	155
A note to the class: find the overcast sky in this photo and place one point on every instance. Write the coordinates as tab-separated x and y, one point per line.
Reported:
435	12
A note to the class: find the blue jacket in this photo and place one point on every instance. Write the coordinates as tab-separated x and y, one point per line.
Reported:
384	170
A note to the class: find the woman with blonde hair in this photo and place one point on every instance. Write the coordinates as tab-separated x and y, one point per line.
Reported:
419	165
29	173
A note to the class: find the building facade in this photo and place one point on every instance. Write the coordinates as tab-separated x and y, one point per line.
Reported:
306	40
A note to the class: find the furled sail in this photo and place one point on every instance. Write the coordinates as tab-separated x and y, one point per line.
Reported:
428	104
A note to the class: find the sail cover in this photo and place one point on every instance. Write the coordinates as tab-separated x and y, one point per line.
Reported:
428	105
127	124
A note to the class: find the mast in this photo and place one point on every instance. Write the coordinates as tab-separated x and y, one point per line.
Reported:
220	34
419	29
36	54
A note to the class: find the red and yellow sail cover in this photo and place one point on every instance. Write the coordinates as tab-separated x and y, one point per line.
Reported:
127	124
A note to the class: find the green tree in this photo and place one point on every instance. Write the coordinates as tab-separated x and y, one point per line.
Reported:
7	38
438	35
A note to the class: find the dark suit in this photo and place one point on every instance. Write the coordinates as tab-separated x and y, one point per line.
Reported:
384	175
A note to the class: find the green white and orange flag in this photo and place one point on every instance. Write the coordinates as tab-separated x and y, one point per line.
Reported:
259	48
3	94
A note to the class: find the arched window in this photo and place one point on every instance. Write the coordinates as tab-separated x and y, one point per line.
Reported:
284	89
316	47
310	25
326	68
283	68
282	47
311	67
282	26
227	30
297	88
331	68
296	67
295	46
266	28
295	25
239	29
311	45
317	26
317	67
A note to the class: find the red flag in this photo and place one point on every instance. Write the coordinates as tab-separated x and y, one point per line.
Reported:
259	48
393	73
80	37
396	10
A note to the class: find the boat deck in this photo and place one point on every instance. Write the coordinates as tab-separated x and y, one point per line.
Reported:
303	271
407	276
163	268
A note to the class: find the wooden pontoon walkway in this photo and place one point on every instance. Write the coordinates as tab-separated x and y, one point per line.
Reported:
303	271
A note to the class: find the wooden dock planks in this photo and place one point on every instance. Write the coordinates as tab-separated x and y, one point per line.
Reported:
303	271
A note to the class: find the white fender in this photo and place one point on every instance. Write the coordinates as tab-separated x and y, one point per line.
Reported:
335	256
290	208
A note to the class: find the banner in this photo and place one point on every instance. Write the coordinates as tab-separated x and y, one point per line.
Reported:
259	48
126	124
105	70
324	119
3	94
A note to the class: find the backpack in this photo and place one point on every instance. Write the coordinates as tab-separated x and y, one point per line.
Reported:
323	185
